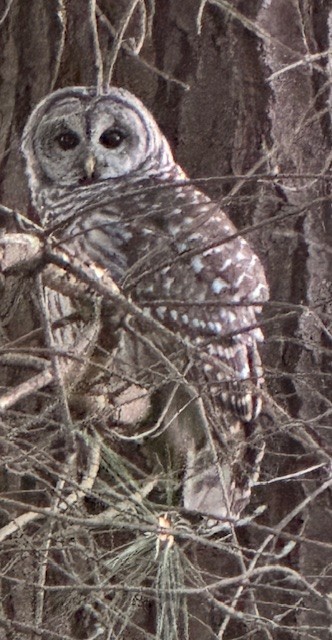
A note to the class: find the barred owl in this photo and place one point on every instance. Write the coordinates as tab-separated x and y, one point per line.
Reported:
104	182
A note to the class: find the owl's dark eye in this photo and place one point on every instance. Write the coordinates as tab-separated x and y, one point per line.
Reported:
67	140
112	138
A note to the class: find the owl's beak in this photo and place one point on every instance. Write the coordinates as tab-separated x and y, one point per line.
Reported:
89	166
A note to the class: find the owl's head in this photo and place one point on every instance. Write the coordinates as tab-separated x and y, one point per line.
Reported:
75	137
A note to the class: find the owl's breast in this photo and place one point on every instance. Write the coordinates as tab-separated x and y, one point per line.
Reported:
101	238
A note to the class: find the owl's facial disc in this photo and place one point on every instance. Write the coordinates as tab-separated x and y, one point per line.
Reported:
81	144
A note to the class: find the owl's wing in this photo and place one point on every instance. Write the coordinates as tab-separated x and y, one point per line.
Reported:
204	281
234	280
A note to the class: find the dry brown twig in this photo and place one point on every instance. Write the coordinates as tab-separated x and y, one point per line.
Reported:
133	52
73	278
61	505
119	36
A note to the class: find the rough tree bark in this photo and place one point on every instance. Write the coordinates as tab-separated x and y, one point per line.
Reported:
243	93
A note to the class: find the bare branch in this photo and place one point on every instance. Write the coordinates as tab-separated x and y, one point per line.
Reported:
119	39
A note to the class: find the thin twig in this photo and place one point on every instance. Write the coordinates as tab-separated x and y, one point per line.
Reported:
43	564
158	429
96	46
6	11
57	369
255	28
25	389
23	223
118	39
23	360
84	487
305	60
291	476
62	16
131	52
200	16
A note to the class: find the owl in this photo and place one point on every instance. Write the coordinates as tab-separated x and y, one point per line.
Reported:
106	187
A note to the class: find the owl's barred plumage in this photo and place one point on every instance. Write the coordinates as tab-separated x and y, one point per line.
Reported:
104	181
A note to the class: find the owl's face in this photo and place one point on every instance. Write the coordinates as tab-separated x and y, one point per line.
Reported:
75	137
